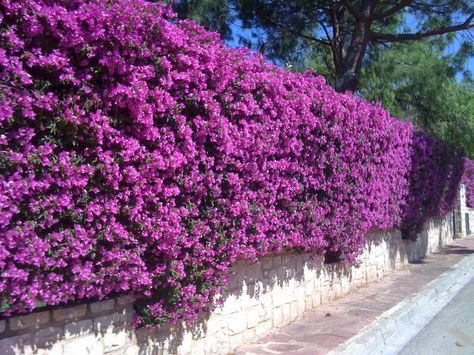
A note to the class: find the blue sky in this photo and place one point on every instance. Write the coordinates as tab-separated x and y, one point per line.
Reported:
411	22
452	48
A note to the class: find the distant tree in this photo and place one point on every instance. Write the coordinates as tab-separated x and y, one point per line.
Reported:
347	30
213	14
418	81
452	115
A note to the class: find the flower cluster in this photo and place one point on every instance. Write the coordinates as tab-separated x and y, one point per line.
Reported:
140	155
435	175
468	181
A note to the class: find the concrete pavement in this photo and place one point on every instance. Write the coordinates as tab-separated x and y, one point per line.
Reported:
332	325
451	331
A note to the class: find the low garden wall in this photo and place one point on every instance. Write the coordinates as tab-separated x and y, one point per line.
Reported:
464	215
264	295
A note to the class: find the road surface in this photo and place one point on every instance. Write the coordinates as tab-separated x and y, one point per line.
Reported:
451	331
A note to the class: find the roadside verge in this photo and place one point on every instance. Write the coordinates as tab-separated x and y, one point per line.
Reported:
391	331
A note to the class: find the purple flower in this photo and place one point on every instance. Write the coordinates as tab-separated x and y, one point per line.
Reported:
140	155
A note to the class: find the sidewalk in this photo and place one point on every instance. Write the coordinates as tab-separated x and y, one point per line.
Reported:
329	325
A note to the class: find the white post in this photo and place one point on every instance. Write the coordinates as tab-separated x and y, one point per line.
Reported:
460	214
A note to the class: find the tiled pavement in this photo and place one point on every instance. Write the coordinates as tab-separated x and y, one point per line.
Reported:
323	328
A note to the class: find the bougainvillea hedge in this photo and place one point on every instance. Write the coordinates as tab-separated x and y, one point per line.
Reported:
140	155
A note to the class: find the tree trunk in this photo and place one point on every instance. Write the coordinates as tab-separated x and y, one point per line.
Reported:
346	81
348	72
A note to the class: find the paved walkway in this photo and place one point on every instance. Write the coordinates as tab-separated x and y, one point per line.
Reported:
320	330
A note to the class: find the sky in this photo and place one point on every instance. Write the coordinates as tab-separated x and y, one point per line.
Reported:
452	48
411	22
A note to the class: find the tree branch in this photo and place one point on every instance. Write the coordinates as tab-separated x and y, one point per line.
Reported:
388	37
352	10
400	6
299	34
326	32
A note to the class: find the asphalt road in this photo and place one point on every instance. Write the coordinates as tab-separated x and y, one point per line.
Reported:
451	331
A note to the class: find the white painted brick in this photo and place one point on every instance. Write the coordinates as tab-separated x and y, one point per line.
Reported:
154	338
213	325
288	261
231	305
316	300
198	348
276	260
267	263
253	317
240	274
345	285
309	288
48	335
293	311
271	296
370	273
265	309
299	263
254	272
248	299
16	345
86	345
186	345
279	274
263	328
125	300
78	328
237	323
32	320
278	296
132	350
286	313
300	300
278	317
111	320
70	312
115	340
102	306
211	346
220	345
54	349
233	282
308	273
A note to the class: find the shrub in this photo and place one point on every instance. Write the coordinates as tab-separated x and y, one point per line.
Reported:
435	175
140	155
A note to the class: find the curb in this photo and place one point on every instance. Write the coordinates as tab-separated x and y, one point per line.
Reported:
391	331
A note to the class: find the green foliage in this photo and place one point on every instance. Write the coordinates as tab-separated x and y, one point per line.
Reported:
451	116
215	15
417	81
